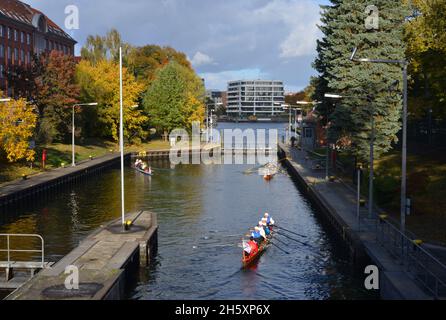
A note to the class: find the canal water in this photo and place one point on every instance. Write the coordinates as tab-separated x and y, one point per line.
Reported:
203	212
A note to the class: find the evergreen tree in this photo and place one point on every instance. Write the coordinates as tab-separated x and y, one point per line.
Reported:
344	28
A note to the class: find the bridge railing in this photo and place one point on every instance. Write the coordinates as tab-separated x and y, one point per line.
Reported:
10	250
419	263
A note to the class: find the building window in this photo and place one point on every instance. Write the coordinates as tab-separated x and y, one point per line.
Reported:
16	54
2	71
22	56
9	53
2	51
2	31
16	35
28	38
22	37
9	33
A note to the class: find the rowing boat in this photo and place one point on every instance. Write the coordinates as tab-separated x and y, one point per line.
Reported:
247	261
143	172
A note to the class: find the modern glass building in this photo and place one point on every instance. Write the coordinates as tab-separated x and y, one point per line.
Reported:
259	98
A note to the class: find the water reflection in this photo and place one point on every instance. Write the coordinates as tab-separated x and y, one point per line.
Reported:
203	211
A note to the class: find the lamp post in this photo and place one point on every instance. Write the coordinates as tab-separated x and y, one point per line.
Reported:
403	64
73	161
372	145
327	153
358	195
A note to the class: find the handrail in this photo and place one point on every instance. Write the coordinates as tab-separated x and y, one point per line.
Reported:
430	271
8	249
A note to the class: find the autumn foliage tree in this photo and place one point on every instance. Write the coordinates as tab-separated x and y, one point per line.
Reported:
57	91
17	124
99	82
145	61
425	37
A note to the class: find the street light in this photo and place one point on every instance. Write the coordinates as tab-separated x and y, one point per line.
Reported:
73	161
404	65
372	144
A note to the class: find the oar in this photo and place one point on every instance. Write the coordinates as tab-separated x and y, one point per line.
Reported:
297	234
279	247
280	241
298	241
313	253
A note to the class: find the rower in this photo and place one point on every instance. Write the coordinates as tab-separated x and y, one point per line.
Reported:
257	237
266	227
269	220
250	247
262	230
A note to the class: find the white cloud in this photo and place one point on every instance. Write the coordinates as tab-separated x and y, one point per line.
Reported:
277	37
300	19
201	59
219	80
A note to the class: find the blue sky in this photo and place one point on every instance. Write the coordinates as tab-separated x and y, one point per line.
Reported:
224	39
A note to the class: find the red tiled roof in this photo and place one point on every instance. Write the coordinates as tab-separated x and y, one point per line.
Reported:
24	13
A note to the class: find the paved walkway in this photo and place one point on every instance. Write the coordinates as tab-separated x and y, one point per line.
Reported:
342	198
106	260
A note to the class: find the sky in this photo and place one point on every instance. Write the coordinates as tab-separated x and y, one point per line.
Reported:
224	39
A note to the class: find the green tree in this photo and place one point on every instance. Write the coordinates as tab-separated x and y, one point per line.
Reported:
98	48
350	119
175	98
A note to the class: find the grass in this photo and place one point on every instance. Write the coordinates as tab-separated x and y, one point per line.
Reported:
58	154
426	187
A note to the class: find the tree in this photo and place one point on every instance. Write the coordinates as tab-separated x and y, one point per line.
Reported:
98	48
56	92
344	28
426	49
303	95
18	121
100	82
175	98
145	61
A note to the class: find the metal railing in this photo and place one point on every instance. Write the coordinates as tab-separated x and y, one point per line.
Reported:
10	250
418	262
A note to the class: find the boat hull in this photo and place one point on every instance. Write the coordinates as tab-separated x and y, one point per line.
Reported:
246	262
143	172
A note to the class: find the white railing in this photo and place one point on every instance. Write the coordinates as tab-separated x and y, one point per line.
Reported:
8	250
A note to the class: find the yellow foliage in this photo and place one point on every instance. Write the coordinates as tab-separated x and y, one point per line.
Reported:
100	83
18	121
195	109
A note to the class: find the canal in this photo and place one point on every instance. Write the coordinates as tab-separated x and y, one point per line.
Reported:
203	212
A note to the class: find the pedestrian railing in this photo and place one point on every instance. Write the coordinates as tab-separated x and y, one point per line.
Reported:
10	250
418	262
